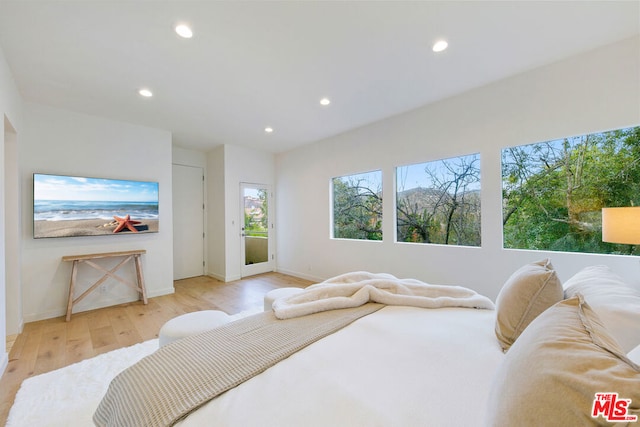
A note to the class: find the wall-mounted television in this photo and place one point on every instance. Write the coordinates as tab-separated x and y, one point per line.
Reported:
70	206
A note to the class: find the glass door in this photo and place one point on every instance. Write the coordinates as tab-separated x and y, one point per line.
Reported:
255	230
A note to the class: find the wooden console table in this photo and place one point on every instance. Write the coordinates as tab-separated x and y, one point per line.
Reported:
87	259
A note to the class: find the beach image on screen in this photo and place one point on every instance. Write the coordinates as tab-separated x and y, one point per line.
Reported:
69	206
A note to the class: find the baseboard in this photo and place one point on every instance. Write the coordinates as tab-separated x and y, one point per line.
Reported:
19	331
216	276
160	292
224	278
34	317
301	275
279	270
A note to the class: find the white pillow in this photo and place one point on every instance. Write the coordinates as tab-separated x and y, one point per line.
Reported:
616	303
634	355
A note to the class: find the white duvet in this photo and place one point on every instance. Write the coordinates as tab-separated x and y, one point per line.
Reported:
400	366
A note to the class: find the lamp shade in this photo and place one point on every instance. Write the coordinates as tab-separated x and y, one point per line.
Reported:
621	225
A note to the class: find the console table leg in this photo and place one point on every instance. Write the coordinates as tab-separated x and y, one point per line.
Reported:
138	263
72	284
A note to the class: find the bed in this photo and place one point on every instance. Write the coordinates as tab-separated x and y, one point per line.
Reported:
369	374
538	358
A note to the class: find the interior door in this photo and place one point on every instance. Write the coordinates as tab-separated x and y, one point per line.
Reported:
188	221
256	226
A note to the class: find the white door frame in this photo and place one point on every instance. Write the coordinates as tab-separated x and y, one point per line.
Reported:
262	267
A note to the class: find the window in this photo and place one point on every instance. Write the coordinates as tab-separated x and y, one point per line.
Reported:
357	206
439	202
553	191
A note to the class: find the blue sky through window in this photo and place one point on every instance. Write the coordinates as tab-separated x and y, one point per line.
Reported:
415	176
56	187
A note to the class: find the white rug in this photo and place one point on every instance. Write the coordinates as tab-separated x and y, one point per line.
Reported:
67	397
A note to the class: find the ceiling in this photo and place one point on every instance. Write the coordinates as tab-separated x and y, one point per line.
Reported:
253	64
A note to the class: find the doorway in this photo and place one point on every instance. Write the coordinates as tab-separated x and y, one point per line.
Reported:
256	240
188	221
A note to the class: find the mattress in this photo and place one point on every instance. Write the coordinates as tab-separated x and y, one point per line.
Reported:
399	366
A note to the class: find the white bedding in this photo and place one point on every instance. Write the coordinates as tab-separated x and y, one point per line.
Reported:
400	366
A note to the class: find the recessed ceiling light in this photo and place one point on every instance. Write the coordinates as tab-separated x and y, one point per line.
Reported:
325	101
146	93
440	45
184	31
268	129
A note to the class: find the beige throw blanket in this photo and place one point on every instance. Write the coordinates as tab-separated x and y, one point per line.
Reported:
164	387
358	288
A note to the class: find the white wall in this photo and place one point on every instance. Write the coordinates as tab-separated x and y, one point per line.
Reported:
61	142
248	166
596	91
228	166
12	230
10	126
186	157
215	234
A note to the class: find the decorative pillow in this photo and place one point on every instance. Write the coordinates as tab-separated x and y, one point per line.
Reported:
634	355
616	303
528	292
553	371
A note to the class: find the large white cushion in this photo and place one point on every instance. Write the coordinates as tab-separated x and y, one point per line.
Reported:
192	323
616	303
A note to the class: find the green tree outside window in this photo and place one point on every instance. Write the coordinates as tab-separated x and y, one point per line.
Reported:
553	191
357	206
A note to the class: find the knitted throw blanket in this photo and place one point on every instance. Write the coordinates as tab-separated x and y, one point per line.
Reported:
360	287
167	385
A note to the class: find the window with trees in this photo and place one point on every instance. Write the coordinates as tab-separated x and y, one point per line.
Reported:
256	210
357	206
553	191
439	202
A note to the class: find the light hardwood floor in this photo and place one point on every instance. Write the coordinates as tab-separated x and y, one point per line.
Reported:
51	344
